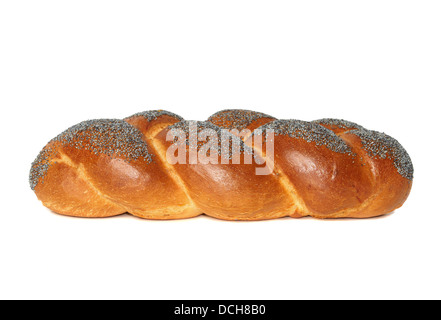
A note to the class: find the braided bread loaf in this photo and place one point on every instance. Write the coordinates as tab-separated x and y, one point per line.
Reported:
326	169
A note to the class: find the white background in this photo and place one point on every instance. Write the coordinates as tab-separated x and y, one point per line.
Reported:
373	62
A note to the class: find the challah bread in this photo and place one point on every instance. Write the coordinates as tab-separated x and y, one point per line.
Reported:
325	169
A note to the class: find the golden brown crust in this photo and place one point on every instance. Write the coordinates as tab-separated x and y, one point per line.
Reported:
170	189
327	182
390	189
232	191
67	190
325	169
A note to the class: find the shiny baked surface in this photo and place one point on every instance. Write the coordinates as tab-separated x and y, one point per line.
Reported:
327	168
